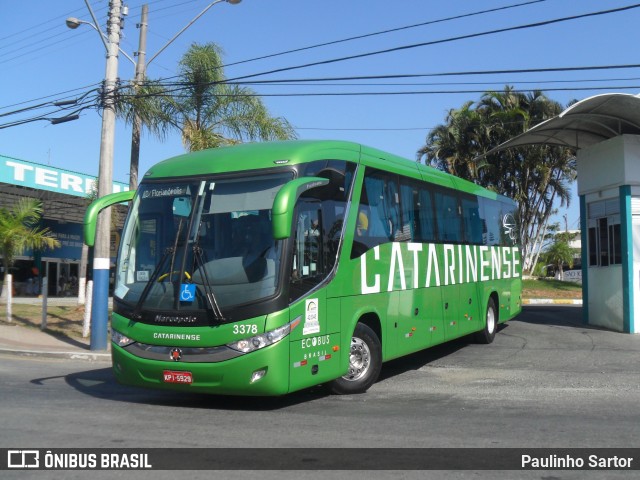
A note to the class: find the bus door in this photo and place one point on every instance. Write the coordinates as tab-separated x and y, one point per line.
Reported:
314	352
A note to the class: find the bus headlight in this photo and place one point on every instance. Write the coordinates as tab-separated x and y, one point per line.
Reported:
120	339
252	344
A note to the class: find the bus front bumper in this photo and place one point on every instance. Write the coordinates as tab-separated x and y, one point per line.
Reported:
262	372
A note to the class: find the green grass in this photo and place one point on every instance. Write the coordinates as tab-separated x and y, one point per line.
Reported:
61	320
550	288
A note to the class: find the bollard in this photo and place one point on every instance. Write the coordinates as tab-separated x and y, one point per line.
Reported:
82	286
87	309
8	279
45	295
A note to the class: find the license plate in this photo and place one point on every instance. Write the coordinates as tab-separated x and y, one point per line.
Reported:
171	376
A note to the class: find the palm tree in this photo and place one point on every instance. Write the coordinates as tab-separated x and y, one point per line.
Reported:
452	146
535	177
141	105
211	113
560	254
18	231
207	111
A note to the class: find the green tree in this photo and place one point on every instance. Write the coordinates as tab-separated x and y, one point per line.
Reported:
142	106
211	113
537	177
19	231
560	254
208	111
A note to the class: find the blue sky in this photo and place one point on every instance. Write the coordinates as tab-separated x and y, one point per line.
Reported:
41	58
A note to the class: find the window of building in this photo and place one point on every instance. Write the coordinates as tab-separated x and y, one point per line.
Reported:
604	236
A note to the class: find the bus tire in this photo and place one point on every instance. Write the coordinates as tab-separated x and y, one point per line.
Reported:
365	363
488	333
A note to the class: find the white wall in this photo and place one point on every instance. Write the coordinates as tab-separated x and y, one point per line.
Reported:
602	169
609	164
605	297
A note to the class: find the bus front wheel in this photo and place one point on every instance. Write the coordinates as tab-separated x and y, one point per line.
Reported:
365	363
488	333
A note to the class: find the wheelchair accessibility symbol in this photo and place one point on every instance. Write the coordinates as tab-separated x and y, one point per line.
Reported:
187	292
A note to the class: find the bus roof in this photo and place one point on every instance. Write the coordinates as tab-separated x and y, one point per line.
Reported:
253	156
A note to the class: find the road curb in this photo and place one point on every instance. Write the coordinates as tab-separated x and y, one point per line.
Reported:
551	301
89	356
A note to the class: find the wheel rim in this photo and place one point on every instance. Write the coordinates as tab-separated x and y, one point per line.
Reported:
491	320
359	360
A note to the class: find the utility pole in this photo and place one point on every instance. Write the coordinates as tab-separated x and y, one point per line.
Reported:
141	68
137	121
102	254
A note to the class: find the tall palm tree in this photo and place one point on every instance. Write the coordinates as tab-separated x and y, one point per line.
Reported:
207	111
211	113
535	177
141	105
450	147
18	231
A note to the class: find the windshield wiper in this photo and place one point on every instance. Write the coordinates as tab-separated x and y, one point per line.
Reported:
211	298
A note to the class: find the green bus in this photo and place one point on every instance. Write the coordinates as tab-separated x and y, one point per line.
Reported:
266	268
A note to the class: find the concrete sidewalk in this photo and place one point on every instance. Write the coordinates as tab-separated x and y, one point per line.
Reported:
17	339
27	341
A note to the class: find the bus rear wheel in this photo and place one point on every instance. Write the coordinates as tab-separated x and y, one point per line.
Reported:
488	333
365	363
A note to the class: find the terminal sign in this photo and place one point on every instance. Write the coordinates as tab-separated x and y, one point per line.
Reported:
41	177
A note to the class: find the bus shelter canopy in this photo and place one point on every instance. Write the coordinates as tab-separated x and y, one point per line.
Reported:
585	123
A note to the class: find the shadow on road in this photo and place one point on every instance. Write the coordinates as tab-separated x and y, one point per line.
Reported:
558	315
100	383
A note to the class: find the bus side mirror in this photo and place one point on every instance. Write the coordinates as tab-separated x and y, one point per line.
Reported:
91	216
285	202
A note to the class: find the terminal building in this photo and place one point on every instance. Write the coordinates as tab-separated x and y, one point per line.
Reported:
64	195
605	132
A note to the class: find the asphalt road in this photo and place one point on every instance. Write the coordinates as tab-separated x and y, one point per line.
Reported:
546	381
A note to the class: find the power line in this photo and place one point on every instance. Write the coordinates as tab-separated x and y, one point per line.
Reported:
436	74
178	86
382	32
425	84
416	92
377	33
436	42
236	80
92	86
371	35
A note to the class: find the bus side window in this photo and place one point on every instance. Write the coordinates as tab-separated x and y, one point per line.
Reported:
449	216
490	213
471	220
426	216
379	209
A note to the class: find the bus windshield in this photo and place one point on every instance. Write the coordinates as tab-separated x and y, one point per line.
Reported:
213	251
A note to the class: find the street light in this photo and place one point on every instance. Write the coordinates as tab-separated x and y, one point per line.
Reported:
73	23
102	258
232	2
